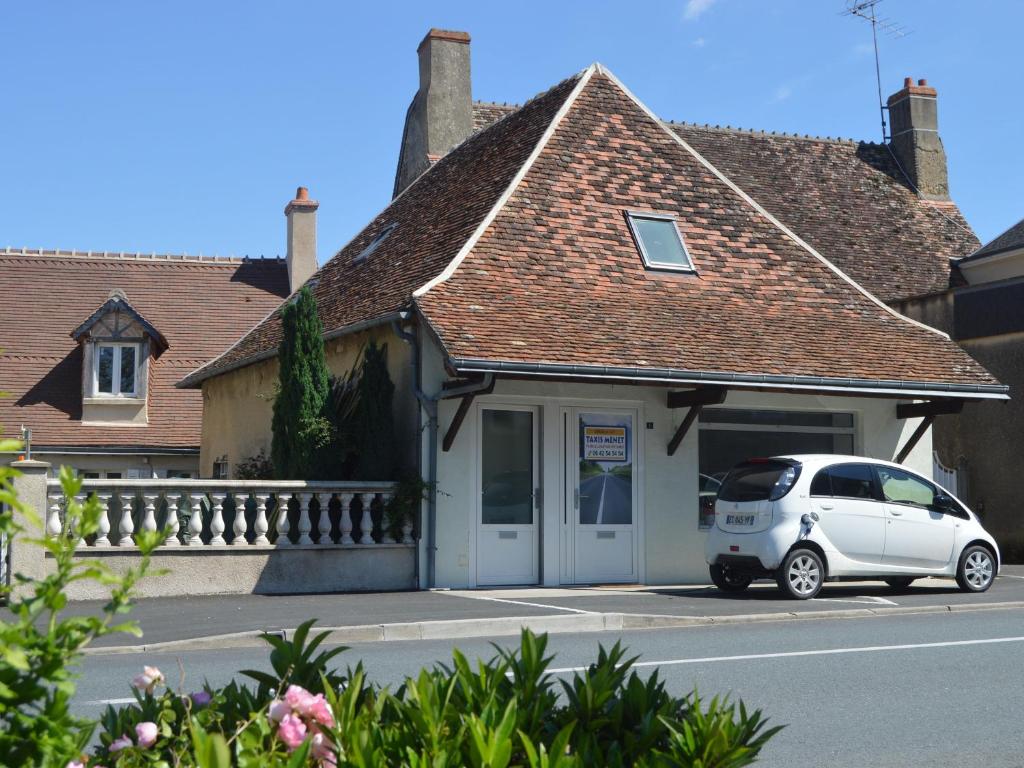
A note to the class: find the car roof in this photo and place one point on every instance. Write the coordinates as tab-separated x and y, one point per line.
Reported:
821	459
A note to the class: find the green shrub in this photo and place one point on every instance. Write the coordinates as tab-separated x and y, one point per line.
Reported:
502	712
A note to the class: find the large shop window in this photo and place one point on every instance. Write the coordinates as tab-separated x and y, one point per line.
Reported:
731	435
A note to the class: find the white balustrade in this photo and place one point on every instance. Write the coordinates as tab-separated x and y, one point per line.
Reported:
117	500
217	518
127	525
283	526
173	501
345	522
103	536
305	524
240	527
260	525
323	524
366	523
80	541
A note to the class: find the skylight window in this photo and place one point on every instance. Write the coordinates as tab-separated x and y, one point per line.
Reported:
661	245
375	243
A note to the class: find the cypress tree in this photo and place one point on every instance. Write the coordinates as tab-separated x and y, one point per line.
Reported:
300	427
374	417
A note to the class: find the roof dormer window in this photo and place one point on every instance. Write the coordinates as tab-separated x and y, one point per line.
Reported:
115	371
660	242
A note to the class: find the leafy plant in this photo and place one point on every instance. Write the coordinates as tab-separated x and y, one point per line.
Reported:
256	467
38	647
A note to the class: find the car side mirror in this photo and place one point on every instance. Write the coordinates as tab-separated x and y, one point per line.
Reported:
943	502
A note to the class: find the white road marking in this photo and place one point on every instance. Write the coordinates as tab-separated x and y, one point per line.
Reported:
516	602
869	599
103	702
1009	576
794	654
600	504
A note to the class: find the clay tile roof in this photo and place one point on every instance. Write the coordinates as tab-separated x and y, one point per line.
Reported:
200	305
432	219
515	249
1010	240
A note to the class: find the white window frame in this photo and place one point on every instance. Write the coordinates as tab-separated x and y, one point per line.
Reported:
648	261
116	372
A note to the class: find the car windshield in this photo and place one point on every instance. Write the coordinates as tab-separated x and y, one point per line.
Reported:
752	480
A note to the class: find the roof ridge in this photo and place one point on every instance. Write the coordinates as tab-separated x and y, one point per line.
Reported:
764	132
582	78
173	258
763	211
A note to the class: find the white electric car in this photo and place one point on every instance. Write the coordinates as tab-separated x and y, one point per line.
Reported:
805	520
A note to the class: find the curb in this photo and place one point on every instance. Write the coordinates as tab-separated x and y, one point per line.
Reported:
454	629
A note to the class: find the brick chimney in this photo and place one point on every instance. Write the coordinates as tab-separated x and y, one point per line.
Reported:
914	125
301	214
441	113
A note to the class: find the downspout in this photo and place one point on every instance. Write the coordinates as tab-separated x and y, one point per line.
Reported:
429	404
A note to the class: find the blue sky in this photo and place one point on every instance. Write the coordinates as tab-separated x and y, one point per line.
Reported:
186	126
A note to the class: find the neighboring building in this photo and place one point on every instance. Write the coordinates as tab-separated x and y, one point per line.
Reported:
592	314
93	343
984	313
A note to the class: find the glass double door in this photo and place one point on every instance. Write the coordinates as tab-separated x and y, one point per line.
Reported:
602	494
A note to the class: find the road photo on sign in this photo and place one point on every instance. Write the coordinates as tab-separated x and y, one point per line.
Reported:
606	469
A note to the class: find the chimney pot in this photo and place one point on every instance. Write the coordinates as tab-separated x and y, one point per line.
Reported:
302	194
907	82
922	81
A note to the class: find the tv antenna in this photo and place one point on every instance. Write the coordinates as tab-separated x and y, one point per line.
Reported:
866	10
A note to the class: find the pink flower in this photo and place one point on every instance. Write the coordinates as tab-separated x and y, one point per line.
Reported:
299	699
118	744
75	764
150	678
292	731
278	710
146	733
320	711
323	750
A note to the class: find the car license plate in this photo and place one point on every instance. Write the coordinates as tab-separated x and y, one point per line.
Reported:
739	519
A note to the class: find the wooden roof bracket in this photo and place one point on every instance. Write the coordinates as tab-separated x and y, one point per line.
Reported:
695	400
926	411
485	387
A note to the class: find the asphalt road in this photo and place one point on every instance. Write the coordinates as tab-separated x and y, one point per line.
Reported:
606	499
910	690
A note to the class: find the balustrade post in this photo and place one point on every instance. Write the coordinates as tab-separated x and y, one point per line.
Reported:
366	523
173	500
149	518
260	525
345	521
385	529
323	525
103	535
241	527
79	540
217	519
195	521
305	524
283	526
53	524
127	525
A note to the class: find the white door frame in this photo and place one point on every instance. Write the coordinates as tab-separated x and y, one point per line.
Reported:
537	526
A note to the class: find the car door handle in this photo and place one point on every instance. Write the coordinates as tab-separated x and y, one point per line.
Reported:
895	512
827	506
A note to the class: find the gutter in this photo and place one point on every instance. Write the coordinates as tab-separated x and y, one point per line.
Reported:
903	389
428	403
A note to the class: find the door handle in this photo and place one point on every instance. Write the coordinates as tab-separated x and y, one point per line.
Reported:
895	512
827	506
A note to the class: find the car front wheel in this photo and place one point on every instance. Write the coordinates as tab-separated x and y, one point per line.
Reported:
802	574
976	570
727	580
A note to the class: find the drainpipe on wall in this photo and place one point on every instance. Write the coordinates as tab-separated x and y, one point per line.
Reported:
429	404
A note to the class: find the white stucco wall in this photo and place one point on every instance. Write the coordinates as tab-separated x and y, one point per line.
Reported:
671	550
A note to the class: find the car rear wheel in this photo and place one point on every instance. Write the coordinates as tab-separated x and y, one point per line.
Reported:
976	570
802	574
727	580
900	582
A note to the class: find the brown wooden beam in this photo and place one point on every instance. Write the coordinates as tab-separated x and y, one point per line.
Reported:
453	428
928	408
677	438
914	438
697	397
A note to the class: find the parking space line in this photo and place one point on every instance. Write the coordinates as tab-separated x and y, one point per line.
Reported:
795	654
869	599
517	602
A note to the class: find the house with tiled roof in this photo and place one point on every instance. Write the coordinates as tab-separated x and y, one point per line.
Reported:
93	344
591	314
